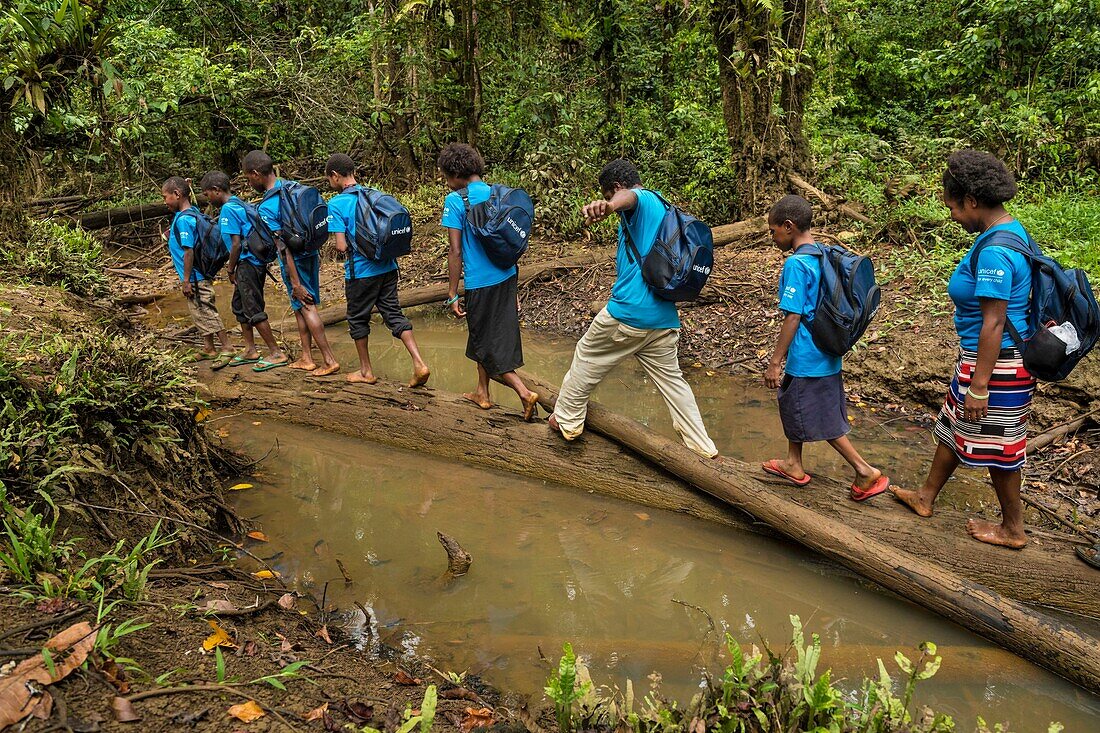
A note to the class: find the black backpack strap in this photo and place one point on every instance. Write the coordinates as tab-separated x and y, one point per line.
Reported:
632	252
464	192
1016	243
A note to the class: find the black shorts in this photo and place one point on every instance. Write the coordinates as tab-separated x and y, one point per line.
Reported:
365	294
813	408
492	316
248	295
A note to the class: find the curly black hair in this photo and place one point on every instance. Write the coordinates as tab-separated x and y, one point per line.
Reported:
215	179
340	164
978	174
620	171
794	209
259	161
461	161
177	184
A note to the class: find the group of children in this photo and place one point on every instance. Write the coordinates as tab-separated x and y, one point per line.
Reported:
635	321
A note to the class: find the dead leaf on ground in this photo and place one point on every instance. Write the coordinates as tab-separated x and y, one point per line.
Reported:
642	516
54	606
402	677
363	712
218	604
219	585
477	718
124	710
44	707
258	536
288	601
246	712
239	487
115	675
330	724
322	633
68	651
697	726
286	644
220	637
265	574
459	693
316	713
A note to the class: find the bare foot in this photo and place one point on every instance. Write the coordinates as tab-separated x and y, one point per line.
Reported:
530	405
420	377
483	402
552	421
326	370
357	377
913	500
306	365
995	534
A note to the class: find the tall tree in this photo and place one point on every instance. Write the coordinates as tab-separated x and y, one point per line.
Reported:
765	82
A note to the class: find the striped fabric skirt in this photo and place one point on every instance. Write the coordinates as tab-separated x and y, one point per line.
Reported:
999	440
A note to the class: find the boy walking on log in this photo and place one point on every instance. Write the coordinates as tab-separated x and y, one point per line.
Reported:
811	386
199	292
301	273
369	284
491	304
246	272
635	322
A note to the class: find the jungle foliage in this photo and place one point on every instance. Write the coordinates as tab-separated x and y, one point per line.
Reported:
715	99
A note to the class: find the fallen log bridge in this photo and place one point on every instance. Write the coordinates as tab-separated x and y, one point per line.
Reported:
930	562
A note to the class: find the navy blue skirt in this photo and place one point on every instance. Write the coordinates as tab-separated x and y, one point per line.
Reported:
813	408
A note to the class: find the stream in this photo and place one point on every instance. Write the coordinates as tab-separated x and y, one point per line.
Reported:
553	565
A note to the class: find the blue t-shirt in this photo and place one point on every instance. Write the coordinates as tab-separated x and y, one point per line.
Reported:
477	269
341	218
1002	274
798	290
632	302
181	237
232	219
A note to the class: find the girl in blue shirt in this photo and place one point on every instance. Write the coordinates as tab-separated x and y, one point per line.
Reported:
983	422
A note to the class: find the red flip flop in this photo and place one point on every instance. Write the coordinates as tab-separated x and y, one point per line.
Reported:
773	468
875	489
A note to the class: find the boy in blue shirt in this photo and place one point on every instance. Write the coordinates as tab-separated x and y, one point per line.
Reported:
812	404
301	273
491	305
635	322
198	290
369	284
246	272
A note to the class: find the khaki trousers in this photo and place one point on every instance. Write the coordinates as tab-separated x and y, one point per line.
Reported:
607	342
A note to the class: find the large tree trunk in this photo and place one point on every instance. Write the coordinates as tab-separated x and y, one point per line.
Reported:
762	107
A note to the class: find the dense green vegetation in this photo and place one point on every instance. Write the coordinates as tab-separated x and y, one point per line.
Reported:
105	93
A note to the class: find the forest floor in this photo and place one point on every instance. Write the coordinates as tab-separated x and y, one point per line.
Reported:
197	605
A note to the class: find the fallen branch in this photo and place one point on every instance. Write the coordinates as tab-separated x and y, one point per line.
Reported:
826	199
458	560
49	621
1042	440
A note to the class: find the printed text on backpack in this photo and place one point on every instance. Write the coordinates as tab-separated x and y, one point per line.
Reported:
303	215
682	256
383	226
1064	316
502	223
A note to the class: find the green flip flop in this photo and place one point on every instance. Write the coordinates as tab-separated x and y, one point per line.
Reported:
221	362
263	365
237	361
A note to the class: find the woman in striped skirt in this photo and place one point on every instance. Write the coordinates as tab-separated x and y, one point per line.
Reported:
983	422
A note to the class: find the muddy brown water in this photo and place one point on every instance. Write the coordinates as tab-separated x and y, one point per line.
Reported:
553	565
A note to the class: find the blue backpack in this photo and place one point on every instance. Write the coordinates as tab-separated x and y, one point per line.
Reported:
502	223
210	254
303	215
383	227
1058	297
682	256
847	299
260	240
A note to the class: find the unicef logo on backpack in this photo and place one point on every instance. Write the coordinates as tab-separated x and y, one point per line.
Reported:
519	230
701	268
